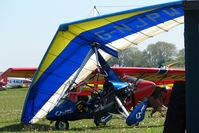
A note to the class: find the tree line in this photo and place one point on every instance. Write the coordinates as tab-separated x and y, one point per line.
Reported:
155	55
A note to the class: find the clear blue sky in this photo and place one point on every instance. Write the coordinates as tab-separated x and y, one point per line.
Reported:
28	26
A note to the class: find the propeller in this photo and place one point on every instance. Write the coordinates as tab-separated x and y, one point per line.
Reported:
172	64
169	66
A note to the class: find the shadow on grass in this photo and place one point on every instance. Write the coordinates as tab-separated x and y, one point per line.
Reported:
2	89
111	127
152	126
43	127
17	88
25	127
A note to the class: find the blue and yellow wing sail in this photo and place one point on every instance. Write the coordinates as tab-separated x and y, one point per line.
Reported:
73	41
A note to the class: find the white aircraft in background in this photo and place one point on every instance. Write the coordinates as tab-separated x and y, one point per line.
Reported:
18	82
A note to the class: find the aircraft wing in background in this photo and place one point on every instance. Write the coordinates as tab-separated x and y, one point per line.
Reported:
19	72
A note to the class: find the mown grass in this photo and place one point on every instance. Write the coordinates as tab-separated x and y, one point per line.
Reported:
11	104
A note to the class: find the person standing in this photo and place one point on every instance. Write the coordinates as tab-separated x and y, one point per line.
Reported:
155	99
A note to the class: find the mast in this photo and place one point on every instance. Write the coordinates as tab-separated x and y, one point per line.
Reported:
95	11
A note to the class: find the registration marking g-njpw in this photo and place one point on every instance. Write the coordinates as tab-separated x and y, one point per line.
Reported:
140	23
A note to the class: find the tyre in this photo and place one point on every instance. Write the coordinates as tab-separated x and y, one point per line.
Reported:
61	125
136	124
98	122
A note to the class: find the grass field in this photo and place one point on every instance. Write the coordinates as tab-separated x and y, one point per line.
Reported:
11	104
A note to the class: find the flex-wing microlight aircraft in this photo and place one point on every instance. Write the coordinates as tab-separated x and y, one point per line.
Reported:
79	47
103	104
111	100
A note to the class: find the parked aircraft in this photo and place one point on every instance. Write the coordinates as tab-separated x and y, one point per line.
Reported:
17	77
78	48
18	82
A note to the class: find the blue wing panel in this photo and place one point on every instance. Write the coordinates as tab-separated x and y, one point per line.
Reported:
116	30
59	71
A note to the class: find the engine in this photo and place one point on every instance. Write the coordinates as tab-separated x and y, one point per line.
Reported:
104	101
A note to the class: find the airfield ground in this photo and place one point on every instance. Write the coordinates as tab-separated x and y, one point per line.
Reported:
11	104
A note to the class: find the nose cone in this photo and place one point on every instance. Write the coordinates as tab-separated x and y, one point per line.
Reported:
53	115
144	89
62	110
50	116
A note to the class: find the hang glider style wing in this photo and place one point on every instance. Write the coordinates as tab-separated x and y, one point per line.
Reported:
18	72
152	74
74	41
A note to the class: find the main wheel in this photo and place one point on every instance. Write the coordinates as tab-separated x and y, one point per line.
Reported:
98	122
62	125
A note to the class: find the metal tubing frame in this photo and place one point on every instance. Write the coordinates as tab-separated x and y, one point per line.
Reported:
117	116
122	114
121	106
80	69
96	55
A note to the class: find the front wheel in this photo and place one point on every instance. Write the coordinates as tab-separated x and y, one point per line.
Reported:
61	125
136	124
